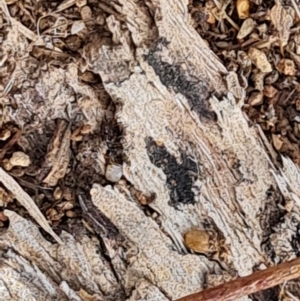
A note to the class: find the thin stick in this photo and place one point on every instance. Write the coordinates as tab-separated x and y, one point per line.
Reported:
253	283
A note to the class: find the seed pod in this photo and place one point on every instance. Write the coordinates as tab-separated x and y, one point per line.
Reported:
197	240
243	7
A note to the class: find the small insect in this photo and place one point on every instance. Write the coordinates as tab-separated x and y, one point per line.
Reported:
209	243
111	133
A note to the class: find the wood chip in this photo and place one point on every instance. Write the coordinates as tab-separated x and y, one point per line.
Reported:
246	28
259	59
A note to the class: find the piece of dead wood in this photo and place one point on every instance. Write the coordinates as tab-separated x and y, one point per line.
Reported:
251	284
26	201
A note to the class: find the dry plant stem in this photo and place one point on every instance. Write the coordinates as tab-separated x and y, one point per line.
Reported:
253	283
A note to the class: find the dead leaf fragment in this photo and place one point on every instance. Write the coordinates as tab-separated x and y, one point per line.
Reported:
77	27
53	215
286	66
86	13
57	194
86	129
7	165
258	79
211	19
20	159
256	99
246	28
259	59
277	142
270	91
58	156
243	7
282	22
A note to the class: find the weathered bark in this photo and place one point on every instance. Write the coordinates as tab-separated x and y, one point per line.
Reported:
186	141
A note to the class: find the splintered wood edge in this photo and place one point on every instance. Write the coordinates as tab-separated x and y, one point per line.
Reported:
26	201
258	281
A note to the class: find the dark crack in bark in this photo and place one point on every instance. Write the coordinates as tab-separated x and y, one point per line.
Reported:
111	133
100	223
296	241
270	217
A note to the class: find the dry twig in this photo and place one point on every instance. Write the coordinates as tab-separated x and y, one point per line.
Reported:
251	284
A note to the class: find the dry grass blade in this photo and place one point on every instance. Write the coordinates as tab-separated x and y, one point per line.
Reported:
27	202
251	284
